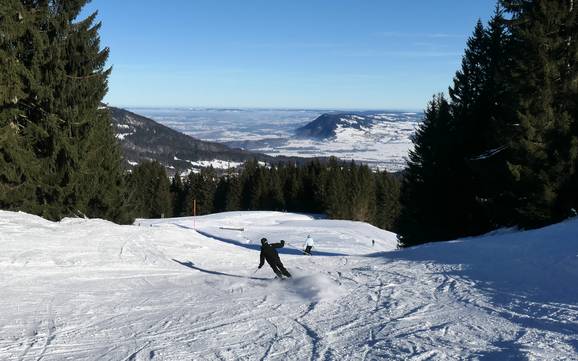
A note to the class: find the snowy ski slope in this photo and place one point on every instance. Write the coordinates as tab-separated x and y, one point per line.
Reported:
92	290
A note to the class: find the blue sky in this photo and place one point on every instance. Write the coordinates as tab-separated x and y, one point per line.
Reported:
342	54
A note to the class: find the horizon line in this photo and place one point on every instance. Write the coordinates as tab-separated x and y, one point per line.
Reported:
199	107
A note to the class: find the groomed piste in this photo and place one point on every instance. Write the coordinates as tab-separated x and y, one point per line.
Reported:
189	289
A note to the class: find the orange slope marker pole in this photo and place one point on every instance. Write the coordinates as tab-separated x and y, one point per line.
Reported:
194	214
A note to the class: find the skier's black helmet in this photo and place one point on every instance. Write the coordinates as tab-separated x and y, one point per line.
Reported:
263	240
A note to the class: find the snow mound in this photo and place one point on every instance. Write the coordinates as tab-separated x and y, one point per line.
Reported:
31	241
245	229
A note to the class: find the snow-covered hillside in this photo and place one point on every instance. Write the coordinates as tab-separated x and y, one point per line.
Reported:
88	289
380	140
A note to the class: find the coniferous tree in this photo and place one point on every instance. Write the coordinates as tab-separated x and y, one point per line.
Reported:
477	102
178	196
462	163
234	187
488	158
99	181
228	194
19	168
291	188
220	200
569	97
258	190
313	186
336	203
249	182
387	190
150	195
440	195
273	197
469	81
361	196
57	78
427	181
201	188
543	149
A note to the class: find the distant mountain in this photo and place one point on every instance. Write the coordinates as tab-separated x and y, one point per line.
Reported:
329	125
142	138
325	125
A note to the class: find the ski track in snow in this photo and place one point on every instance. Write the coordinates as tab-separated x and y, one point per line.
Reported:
88	289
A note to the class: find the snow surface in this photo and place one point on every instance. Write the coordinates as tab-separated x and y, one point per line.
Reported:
215	163
121	136
89	289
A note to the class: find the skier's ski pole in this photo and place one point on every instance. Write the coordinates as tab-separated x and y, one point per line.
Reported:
250	275
289	244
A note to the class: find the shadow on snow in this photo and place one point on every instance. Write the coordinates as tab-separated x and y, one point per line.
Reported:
532	280
285	250
191	265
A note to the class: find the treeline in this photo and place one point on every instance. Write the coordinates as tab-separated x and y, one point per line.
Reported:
58	153
340	190
502	150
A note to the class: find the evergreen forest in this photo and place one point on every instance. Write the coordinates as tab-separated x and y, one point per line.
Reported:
501	149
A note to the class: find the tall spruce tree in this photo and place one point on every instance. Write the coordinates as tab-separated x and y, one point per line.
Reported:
426	213
19	168
472	179
479	105
471	123
440	192
543	150
570	97
496	116
440	195
99	181
55	115
469	81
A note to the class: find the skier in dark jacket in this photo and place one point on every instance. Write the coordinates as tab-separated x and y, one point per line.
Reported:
269	254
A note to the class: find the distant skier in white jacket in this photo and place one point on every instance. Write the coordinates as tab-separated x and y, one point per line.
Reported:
308	245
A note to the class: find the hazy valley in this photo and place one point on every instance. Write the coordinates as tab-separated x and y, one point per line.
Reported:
378	138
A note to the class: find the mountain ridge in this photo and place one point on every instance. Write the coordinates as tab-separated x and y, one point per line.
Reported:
143	139
327	125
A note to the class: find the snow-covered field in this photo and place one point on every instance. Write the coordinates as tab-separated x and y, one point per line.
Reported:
385	145
91	290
